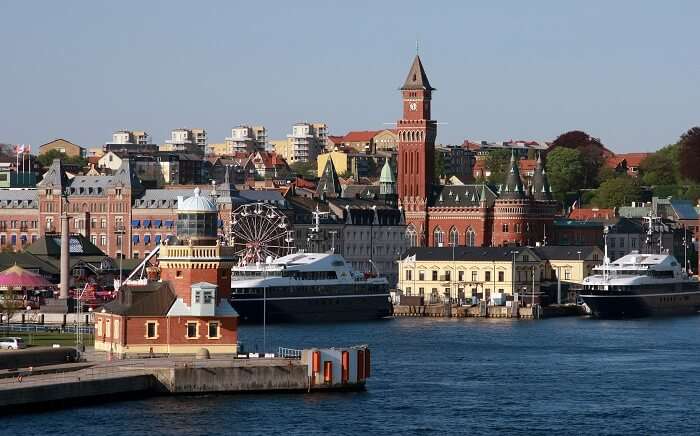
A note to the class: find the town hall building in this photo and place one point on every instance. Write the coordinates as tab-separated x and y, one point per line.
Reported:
462	215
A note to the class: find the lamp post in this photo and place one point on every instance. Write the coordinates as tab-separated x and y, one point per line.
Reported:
512	272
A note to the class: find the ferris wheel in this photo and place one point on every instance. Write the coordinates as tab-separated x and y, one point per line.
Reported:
259	230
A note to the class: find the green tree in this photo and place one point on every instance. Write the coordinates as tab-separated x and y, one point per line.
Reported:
46	159
439	171
304	169
618	191
658	169
590	148
498	163
565	169
690	155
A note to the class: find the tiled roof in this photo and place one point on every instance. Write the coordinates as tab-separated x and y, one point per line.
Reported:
565	252
461	195
634	159
360	136
592	214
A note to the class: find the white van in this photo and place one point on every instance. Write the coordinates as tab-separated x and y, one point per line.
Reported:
12	343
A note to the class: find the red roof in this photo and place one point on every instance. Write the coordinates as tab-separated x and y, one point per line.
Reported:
360	136
592	214
335	139
527	165
614	161
634	159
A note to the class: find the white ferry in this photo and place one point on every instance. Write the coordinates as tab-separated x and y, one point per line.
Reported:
638	285
306	287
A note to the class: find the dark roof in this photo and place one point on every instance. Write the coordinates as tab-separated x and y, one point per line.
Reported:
153	299
540	184
513	189
50	245
626	225
465	253
562	252
684	209
577	223
461	195
416	78
328	185
29	261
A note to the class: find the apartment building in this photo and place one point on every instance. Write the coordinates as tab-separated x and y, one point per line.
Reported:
246	139
305	142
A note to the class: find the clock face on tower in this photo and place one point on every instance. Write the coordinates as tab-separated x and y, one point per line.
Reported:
412	106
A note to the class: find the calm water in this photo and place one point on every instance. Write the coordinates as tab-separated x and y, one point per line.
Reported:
558	376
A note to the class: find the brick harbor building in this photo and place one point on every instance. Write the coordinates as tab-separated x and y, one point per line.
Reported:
471	214
187	309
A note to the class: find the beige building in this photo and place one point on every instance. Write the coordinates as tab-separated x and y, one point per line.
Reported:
340	162
63	146
130	137
386	141
305	142
188	140
246	139
435	273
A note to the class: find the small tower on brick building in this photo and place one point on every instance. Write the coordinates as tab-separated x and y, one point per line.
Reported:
188	308
387	184
511	210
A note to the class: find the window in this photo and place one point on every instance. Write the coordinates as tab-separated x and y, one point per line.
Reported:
178	274
191	330
504	228
208	297
487	276
470	238
437	237
448	275
408	274
421	275
198	297
622	242
103	240
213	329
454	237
475	276
151	330
435	275
460	274
500	276
567	274
93	239
612	242
421	291
517	228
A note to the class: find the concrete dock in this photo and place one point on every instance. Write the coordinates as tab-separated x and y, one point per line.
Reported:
485	311
52	386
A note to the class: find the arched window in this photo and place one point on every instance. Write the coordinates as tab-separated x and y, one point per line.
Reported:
411	236
470	237
454	237
437	237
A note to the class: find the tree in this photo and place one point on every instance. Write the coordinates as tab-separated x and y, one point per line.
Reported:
590	148
690	155
618	191
658	169
439	166
10	304
304	169
565	170
498	163
46	159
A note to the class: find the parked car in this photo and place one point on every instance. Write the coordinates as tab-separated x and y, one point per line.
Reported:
12	344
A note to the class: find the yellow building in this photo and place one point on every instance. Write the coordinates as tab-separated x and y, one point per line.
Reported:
340	162
466	272
435	273
220	149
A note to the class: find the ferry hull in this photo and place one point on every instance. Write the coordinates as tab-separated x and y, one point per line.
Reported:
298	310
640	305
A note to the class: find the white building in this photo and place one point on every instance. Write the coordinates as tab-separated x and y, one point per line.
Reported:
305	142
186	140
130	137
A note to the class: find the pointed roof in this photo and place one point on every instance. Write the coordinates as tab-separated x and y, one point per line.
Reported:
55	177
540	184
514	185
329	185
127	176
417	79
387	174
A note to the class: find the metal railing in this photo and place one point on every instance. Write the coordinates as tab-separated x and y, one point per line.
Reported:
45	328
289	353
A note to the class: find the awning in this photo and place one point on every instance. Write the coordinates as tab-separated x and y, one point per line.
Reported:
146	239
169	223
135	239
157	239
135	223
146	223
156	223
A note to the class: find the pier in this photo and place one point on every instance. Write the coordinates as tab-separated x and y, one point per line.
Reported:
97	379
487	311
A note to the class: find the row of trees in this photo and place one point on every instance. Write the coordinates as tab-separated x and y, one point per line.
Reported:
576	163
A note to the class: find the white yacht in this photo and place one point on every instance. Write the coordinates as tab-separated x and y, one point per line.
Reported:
307	287
638	285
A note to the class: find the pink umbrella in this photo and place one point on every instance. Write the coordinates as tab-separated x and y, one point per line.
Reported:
18	277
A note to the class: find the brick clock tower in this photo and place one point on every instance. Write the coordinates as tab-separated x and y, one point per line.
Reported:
416	149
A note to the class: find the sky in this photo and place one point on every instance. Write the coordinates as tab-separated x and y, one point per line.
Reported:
624	71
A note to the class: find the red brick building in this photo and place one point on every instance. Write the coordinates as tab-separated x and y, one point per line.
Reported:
187	309
472	215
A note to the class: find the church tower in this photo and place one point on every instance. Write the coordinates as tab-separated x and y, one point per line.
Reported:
416	140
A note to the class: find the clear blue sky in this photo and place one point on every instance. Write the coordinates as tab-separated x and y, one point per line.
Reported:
625	71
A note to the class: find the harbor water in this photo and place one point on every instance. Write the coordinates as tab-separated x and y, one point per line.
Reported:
437	376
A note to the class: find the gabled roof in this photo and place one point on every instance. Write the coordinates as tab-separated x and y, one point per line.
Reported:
55	177
50	245
416	78
329	185
634	159
565	252
483	254
153	299
360	136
